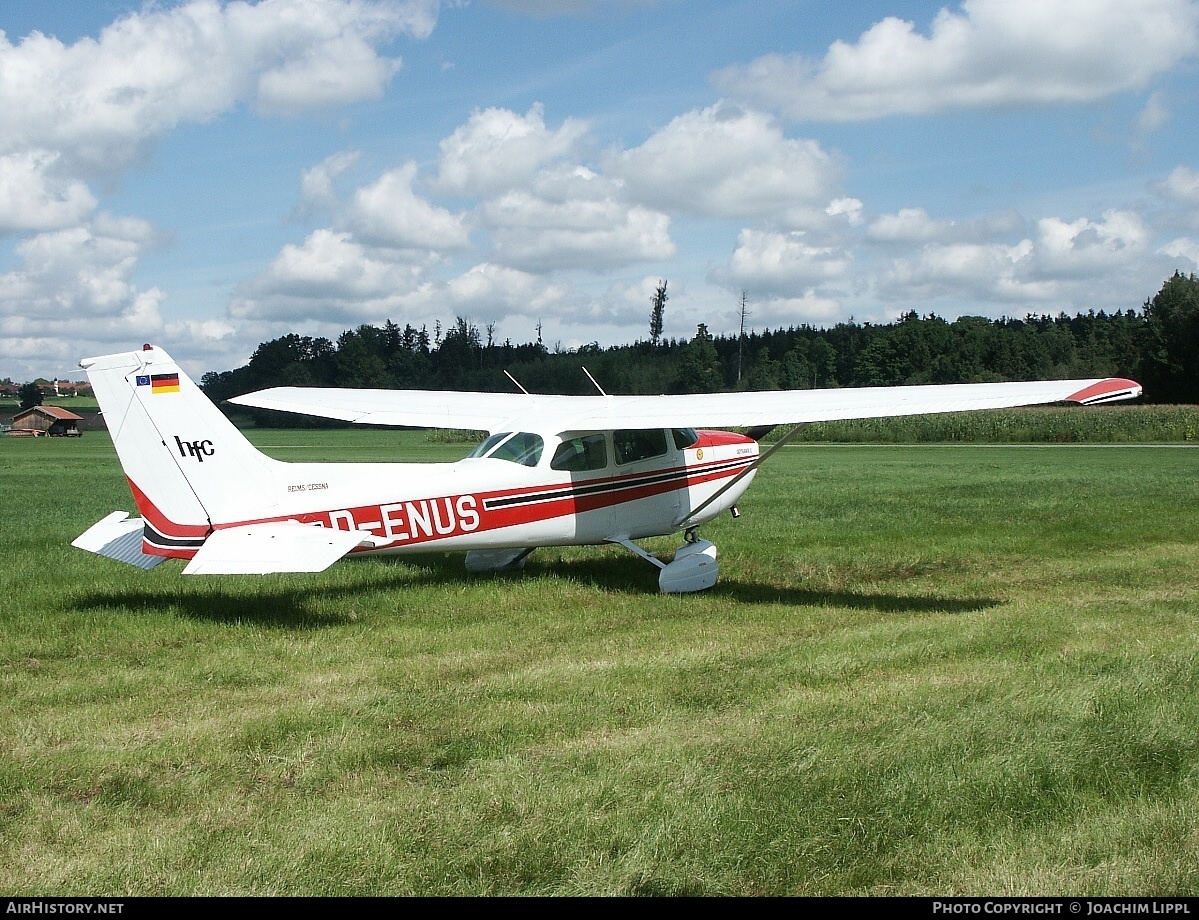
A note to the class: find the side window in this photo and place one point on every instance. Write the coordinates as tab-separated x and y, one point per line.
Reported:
633	444
589	452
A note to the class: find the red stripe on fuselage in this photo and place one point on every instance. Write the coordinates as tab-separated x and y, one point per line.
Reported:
175	541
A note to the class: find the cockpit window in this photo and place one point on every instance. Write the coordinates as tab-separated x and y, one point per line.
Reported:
633	444
684	437
576	455
523	447
483	448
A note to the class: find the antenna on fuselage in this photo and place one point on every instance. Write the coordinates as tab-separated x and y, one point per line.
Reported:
517	382
592	379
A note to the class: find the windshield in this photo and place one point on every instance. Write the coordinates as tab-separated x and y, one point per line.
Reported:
523	447
485	447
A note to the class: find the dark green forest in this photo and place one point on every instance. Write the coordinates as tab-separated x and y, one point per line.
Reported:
1158	345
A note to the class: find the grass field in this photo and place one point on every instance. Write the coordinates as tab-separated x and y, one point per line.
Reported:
926	670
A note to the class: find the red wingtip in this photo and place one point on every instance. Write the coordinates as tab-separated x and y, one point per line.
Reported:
1109	390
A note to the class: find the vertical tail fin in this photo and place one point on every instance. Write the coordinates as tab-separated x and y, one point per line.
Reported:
188	466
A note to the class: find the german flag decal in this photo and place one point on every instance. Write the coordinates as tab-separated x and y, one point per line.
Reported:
164	383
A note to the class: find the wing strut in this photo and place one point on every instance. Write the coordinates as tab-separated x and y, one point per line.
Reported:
593	380
517	382
736	479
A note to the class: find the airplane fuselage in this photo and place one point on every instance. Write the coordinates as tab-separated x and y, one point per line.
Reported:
485	502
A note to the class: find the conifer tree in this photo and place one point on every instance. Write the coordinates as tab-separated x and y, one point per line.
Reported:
657	315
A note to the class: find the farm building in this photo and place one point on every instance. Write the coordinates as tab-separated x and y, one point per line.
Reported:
49	420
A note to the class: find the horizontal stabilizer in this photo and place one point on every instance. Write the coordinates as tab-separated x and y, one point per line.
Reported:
280	546
118	537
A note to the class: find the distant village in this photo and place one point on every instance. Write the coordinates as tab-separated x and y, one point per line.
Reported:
10	391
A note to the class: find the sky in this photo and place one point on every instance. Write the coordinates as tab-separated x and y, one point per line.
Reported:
207	176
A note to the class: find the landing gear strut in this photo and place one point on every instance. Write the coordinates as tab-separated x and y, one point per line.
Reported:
694	567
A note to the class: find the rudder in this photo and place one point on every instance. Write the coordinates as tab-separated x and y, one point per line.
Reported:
188	466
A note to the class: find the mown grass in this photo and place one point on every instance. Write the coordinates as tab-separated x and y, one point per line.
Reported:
926	670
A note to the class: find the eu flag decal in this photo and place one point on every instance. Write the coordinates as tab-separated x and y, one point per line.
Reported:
143	380
164	383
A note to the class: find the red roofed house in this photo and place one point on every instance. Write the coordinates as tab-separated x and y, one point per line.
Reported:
51	420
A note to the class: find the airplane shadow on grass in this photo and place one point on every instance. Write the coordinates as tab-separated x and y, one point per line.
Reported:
300	606
854	600
615	574
290	608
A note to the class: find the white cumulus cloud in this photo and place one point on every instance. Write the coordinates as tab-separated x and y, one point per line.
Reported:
1181	186
985	54
389	213
495	291
807	307
76	274
331	277
782	263
317	190
33	198
1083	247
497	150
1184	247
574	218
725	161
983	272
98	100
1048	271
914	225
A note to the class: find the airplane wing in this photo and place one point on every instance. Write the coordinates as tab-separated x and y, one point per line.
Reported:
453	409
492	412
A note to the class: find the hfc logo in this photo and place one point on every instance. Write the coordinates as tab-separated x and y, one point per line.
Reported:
198	450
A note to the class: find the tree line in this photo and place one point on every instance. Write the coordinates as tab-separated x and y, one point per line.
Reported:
1157	345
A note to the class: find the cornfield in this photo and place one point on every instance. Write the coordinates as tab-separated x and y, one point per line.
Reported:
1032	425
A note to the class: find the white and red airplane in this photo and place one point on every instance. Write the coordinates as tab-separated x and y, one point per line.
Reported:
554	471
